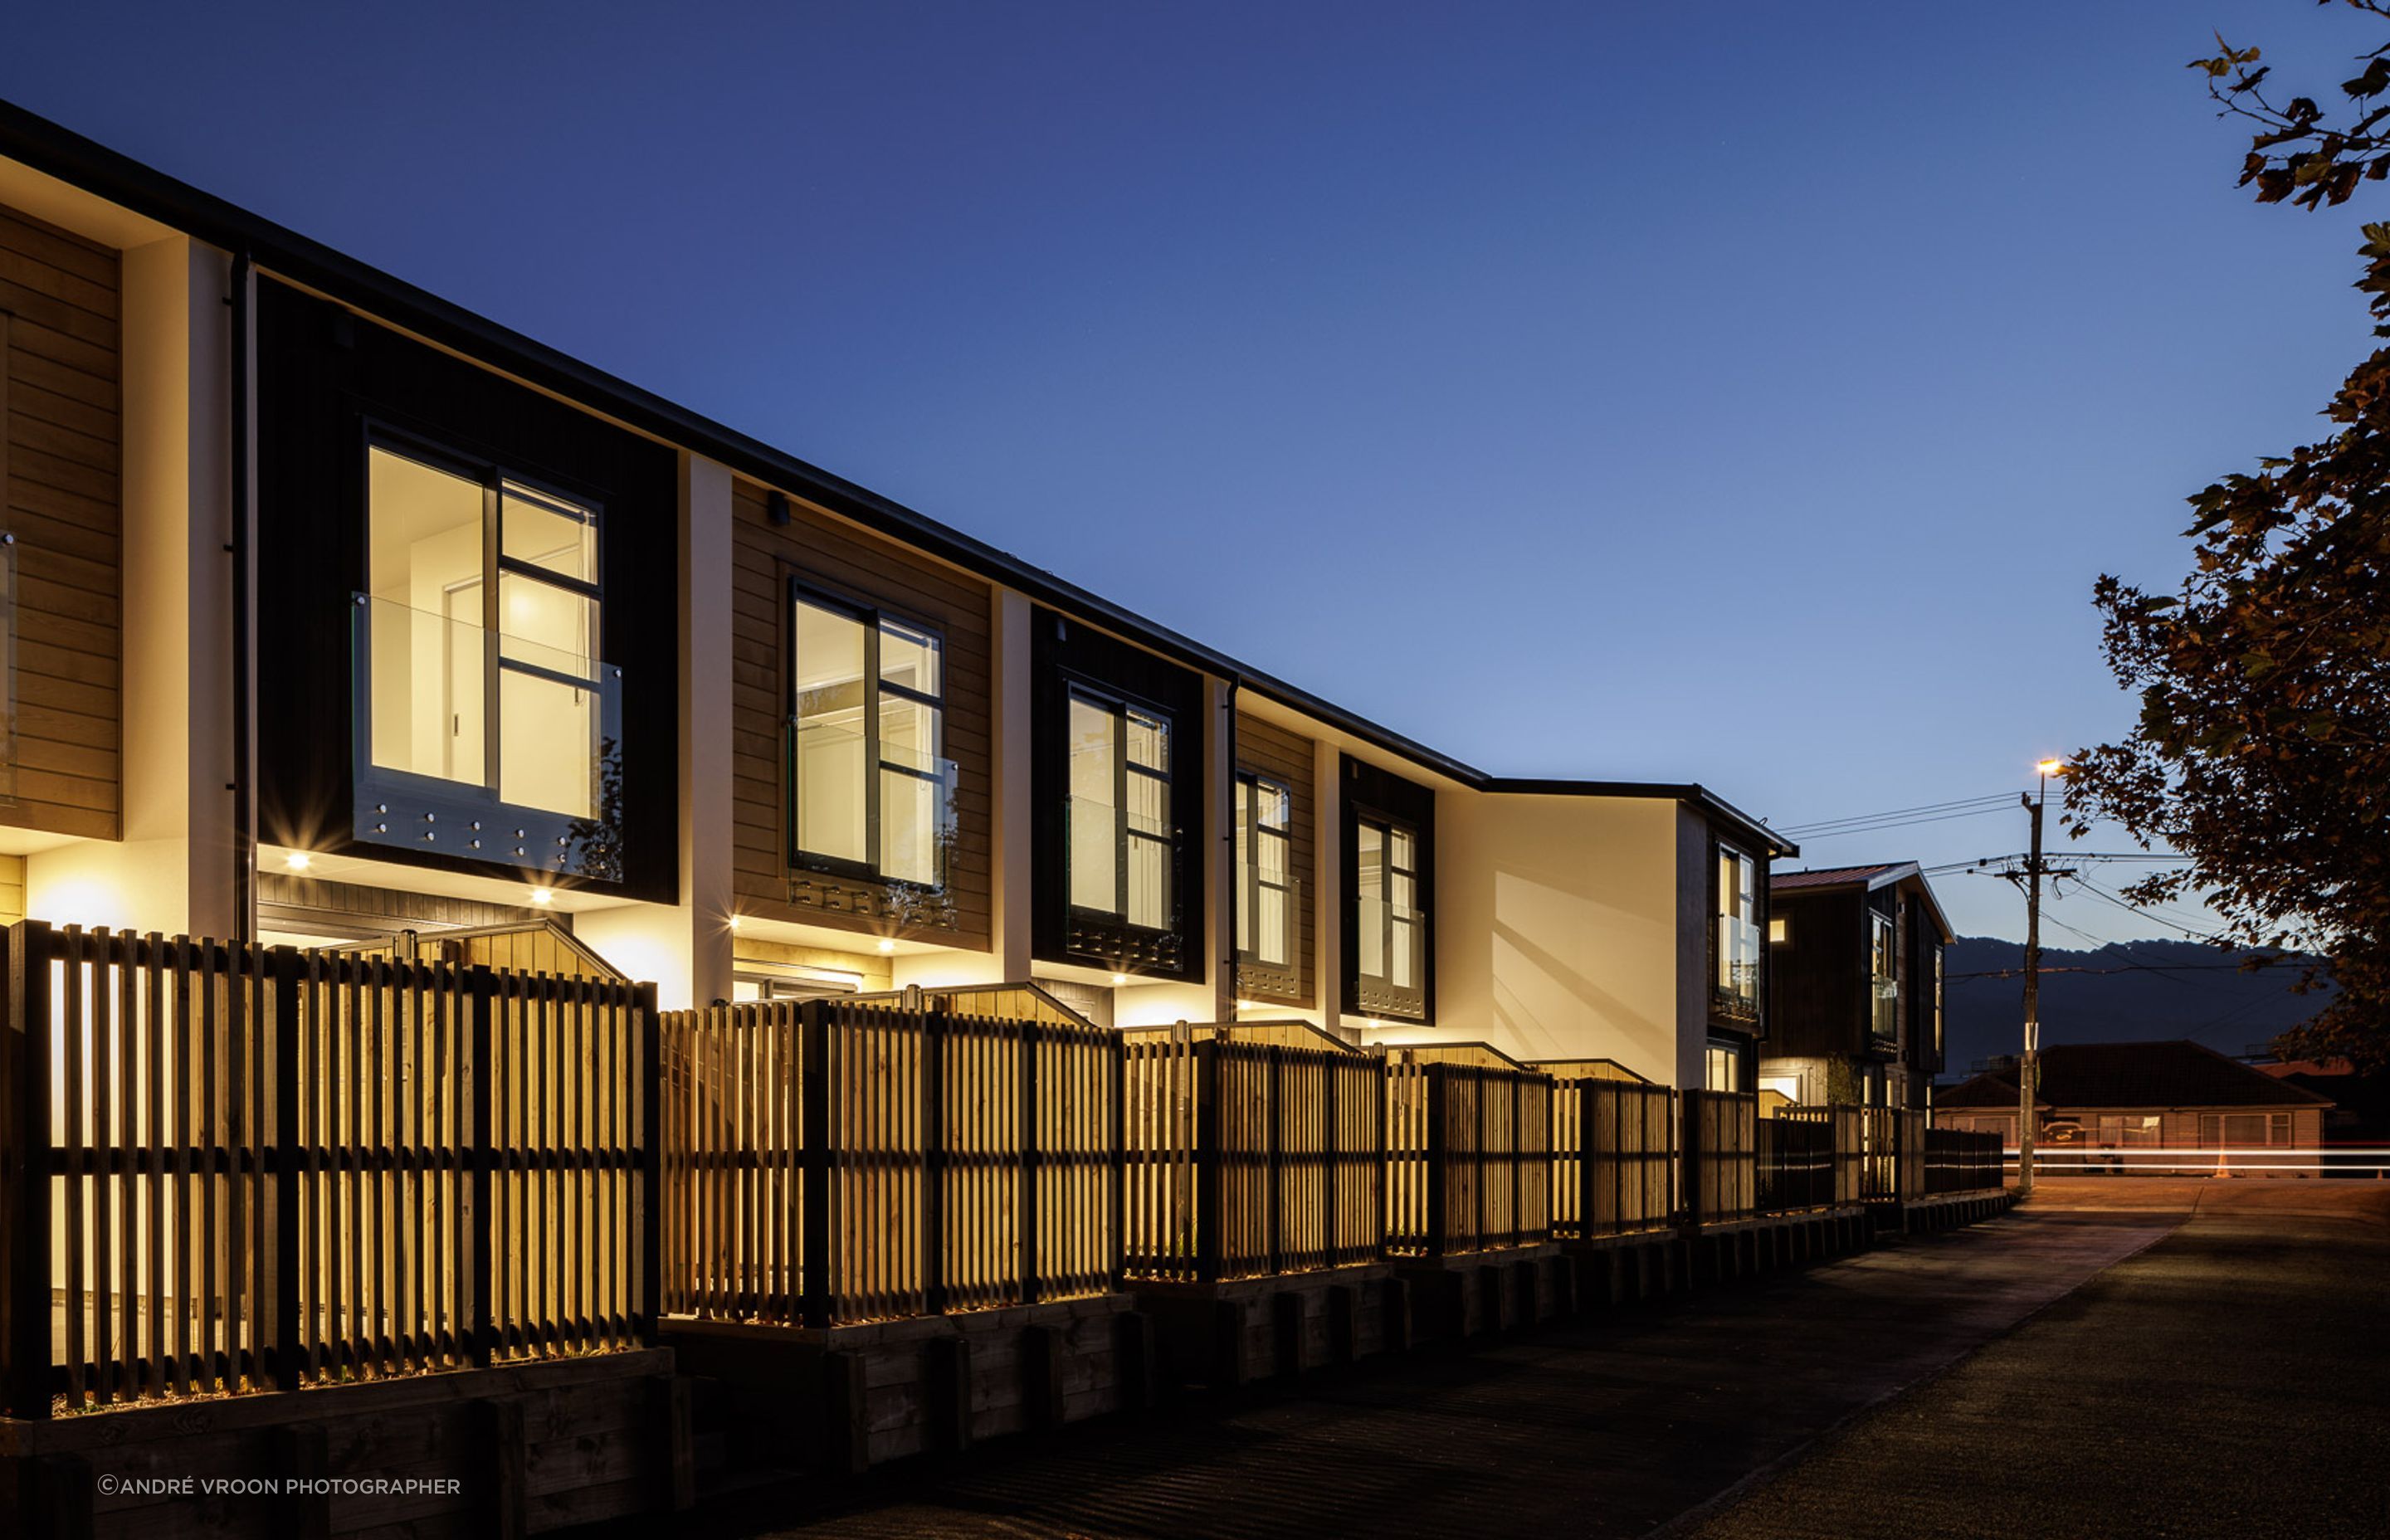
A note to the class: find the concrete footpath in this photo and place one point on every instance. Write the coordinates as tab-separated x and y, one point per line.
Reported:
2232	1381
1609	1428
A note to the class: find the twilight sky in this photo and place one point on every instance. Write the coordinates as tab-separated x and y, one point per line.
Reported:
1746	394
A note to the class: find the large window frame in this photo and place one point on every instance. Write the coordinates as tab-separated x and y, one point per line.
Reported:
1159	844
402	805
1381	986
1883	978
1737	937
1256	834
875	864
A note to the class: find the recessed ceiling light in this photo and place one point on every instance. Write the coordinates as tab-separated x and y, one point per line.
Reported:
734	922
888	946
543	895
1120	978
298	860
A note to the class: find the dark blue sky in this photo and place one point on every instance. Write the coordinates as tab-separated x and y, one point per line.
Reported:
1741	394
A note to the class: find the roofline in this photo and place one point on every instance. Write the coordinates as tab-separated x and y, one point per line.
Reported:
1686	792
1887	872
84	163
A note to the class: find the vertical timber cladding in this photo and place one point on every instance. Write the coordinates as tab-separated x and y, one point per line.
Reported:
1284	756
1065	653
323	375
1370	791
827	555
60	472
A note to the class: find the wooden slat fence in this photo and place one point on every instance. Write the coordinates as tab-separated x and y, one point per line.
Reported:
1614	1157
1794	1164
1721	1142
1468	1155
1960	1160
1893	1139
1848	1143
841	1161
233	1168
1254	1150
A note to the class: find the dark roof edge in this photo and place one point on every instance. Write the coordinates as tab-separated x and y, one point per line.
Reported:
1886	872
1688	791
56	151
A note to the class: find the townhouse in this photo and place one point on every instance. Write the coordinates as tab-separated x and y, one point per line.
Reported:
1855	985
340	616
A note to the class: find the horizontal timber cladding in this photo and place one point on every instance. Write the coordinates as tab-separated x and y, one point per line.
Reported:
60	473
1281	755
826	554
1068	654
324	376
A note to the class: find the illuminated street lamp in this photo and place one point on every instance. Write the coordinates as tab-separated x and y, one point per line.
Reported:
2027	1071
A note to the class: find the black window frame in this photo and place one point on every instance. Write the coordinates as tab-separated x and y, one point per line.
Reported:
1401	998
1120	706
1725	1006
536	833
1247	914
871	617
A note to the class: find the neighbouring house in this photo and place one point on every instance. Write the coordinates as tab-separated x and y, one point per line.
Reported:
1855	985
343	616
2155	1095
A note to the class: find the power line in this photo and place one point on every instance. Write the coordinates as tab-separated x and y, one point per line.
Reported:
1896	817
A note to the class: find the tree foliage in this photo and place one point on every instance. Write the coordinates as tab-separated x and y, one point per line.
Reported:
2262	750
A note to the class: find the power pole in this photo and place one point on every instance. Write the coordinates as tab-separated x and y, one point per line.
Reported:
2028	1069
2032	997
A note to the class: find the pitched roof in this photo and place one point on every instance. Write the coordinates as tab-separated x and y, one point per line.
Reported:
1867	880
2135	1075
1836	876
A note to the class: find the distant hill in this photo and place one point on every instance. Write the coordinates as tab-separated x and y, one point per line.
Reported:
2139	992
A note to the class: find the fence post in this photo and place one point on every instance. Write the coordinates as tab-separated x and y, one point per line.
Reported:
1207	1160
480	1326
1029	1151
1274	1201
25	1149
282	1260
1586	1144
1116	1046
1688	1143
1332	1161
652	1164
814	1077
933	1156
1437	1088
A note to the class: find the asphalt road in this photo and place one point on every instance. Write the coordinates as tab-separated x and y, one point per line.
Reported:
2232	1381
1608	1428
2124	1358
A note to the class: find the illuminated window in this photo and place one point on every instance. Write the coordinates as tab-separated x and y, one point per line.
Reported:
873	794
1122	844
482	617
1779	930
1722	1065
1883	978
1735	943
1265	886
1390	929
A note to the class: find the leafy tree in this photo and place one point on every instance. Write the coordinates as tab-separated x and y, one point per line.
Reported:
2262	752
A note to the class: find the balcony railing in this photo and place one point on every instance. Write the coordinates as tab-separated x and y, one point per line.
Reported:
484	745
